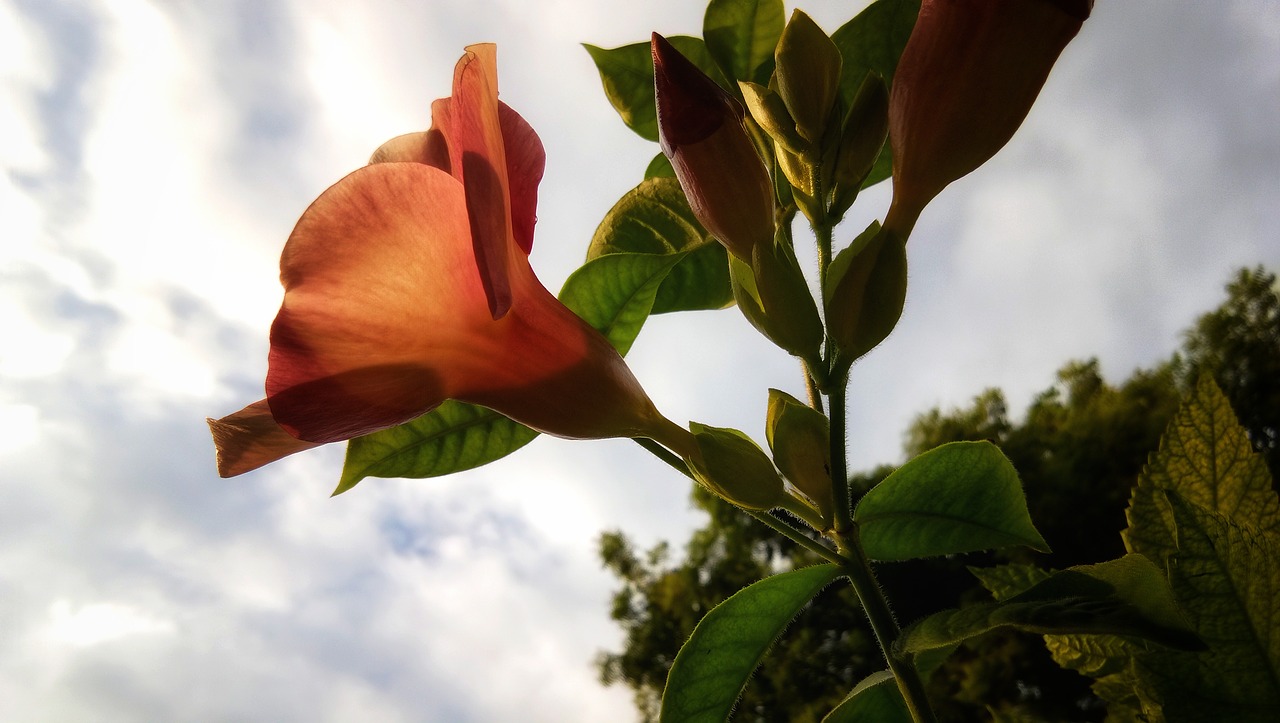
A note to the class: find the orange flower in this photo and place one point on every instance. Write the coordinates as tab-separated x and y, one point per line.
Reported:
967	78
701	130
408	283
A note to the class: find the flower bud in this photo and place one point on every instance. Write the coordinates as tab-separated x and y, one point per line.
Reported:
808	75
701	130
800	438
734	467
865	128
966	80
866	290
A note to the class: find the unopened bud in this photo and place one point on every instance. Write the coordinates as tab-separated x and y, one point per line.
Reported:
866	290
773	294
734	467
800	439
700	128
862	138
808	75
966	80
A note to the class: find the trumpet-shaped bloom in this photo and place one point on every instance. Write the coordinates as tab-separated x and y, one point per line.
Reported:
967	78
701	130
408	283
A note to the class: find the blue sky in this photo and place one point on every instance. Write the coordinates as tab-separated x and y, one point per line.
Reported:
156	155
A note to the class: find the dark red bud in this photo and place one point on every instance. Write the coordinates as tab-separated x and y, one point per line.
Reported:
690	105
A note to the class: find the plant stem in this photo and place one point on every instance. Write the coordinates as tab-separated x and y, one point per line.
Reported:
858	569
777	525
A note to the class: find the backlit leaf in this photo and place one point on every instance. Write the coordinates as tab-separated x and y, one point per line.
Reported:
711	669
1122	597
741	36
627	75
451	438
959	497
655	218
876	698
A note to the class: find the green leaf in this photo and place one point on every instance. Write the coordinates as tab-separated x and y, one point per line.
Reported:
741	36
1205	457
660	167
959	497
1005	581
711	669
1227	578
1122	597
615	293
655	218
627	75
451	438
876	698
873	41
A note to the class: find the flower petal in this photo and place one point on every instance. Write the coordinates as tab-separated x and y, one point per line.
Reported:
526	160
422	147
250	438
381	299
478	158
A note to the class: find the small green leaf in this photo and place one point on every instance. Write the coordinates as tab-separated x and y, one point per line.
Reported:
1122	597
627	75
452	437
873	41
660	167
711	669
959	497
655	218
615	293
876	698
741	35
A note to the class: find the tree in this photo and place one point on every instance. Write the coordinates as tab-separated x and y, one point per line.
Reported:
1079	447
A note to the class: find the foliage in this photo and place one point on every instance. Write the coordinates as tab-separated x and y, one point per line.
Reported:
1079	446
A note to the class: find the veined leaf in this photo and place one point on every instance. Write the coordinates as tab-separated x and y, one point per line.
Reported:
615	293
741	36
627	75
1227	578
711	669
655	218
1123	597
450	438
1206	458
959	497
876	698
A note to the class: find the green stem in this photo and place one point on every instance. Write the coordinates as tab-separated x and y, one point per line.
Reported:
777	525
886	628
859	571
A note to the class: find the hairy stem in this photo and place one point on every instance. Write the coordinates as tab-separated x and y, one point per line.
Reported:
777	525
859	571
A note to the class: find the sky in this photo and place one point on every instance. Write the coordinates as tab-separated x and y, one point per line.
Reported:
156	154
